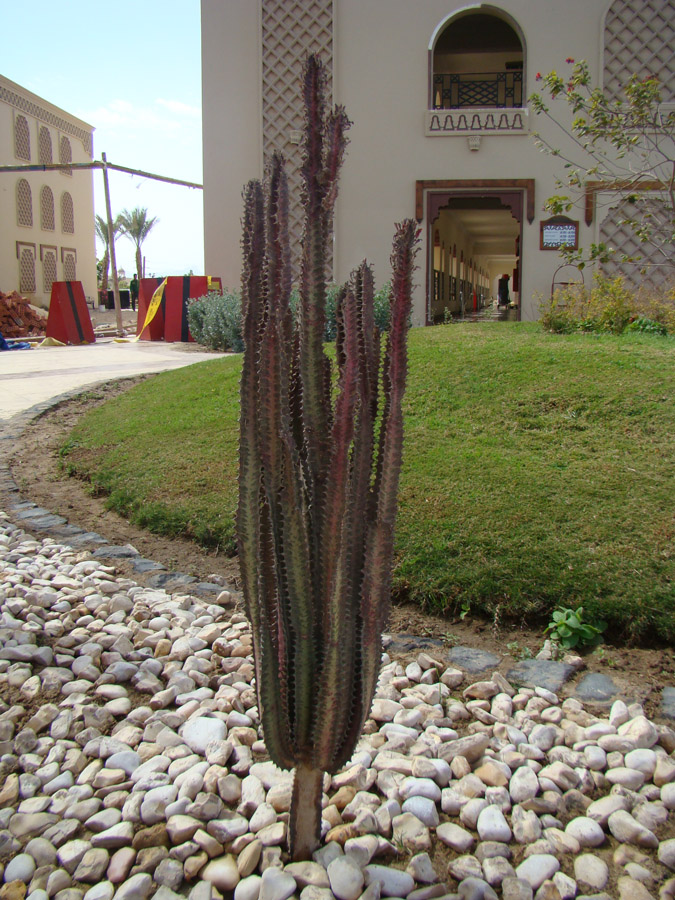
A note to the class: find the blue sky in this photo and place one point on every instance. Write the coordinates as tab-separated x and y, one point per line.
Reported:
132	69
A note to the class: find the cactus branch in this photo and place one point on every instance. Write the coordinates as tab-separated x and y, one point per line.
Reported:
317	491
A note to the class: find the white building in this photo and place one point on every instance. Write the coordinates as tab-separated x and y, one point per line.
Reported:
46	217
437	91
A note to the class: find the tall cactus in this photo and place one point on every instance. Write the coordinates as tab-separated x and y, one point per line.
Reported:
319	468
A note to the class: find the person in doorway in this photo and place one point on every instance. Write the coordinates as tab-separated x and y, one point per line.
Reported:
133	290
503	297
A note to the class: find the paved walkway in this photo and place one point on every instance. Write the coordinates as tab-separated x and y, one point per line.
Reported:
29	377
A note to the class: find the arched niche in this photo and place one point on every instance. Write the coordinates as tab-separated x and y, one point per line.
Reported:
477	60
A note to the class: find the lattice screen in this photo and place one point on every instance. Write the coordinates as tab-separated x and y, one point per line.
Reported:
639	40
67	214
65	154
290	30
24	203
649	271
44	146
69	267
48	270
21	138
47	208
27	271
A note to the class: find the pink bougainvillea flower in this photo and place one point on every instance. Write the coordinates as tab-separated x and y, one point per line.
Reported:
569	59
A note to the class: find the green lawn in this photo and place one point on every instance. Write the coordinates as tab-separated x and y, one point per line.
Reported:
538	470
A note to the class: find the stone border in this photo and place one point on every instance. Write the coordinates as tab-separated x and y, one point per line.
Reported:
27	514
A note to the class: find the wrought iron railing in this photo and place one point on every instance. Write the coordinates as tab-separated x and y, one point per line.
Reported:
497	90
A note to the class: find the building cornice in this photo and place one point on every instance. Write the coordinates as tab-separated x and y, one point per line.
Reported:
25	101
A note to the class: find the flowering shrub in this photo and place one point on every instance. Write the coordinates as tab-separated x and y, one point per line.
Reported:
609	307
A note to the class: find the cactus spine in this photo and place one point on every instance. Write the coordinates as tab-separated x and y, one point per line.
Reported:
318	476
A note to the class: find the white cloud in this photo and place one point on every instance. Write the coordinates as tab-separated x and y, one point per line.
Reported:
166	116
180	109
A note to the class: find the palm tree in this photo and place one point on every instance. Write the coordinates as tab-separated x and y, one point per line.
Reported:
101	227
137	226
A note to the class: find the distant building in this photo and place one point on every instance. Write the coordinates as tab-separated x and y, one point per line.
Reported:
438	93
46	217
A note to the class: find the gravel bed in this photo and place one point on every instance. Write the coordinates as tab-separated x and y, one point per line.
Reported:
132	764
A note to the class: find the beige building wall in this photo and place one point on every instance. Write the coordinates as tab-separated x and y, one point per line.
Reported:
46	217
381	64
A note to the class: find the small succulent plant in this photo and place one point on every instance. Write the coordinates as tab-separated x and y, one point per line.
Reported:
320	456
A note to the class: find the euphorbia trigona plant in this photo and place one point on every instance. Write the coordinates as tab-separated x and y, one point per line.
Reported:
319	468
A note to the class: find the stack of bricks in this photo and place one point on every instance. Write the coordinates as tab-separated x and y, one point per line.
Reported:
18	318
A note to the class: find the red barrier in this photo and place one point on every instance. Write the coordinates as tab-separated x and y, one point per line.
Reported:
155	329
170	323
176	294
69	320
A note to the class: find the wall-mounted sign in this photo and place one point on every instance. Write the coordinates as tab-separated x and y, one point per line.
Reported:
557	232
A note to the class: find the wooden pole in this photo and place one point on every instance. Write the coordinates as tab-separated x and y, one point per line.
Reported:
113	257
95	164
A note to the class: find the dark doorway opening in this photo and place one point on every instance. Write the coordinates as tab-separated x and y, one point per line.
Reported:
474	254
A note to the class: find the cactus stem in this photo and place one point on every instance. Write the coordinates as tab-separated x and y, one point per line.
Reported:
304	824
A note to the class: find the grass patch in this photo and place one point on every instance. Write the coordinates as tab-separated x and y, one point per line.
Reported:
538	471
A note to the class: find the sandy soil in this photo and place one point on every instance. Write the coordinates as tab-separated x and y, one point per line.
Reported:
640	672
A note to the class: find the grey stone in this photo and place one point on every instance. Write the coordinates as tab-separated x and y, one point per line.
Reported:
596	687
516	889
473	660
404	642
135	888
540	673
141	564
169	873
205	589
20	868
92	866
346	878
168	580
668	703
197	733
475	889
116	551
393	882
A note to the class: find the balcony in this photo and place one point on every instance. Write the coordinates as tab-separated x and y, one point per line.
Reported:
477	104
497	90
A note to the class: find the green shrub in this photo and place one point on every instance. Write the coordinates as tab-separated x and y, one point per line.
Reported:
215	321
647	325
610	307
559	315
569	628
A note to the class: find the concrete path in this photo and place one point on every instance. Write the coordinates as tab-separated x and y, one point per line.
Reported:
28	377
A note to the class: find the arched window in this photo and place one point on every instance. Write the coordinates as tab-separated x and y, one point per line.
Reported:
65	155
24	203
27	270
48	270
69	273
46	208
44	146
477	62
67	214
21	138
